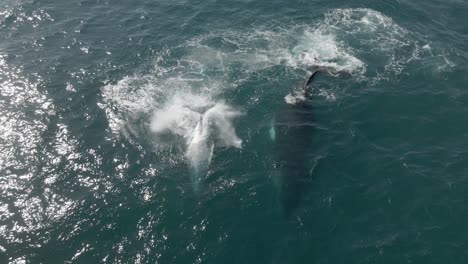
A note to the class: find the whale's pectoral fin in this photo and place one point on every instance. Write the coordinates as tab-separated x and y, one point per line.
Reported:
272	131
211	152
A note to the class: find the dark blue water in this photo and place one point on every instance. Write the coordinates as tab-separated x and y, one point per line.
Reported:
144	132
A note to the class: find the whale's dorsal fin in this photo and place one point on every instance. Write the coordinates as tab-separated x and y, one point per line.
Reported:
316	69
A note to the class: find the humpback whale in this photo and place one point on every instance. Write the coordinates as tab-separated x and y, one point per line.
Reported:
213	127
200	150
292	133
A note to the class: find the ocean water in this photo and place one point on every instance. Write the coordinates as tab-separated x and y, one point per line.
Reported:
141	131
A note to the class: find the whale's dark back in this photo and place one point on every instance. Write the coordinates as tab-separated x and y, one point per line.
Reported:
294	129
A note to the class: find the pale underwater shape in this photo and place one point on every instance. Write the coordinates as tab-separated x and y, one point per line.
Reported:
201	130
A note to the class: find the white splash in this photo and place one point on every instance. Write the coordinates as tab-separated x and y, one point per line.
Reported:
202	123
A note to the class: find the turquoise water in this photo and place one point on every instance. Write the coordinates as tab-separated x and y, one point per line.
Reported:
141	132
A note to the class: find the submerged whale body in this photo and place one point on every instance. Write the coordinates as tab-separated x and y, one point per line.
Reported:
213	127
200	150
293	133
294	129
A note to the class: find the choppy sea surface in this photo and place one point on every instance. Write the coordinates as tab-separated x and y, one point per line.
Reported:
141	131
